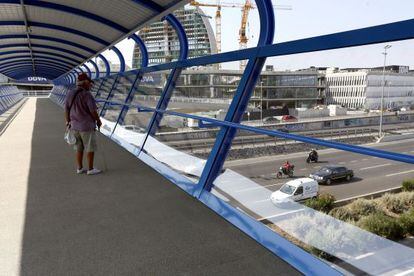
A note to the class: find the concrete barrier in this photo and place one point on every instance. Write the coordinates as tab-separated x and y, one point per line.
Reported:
397	137
373	195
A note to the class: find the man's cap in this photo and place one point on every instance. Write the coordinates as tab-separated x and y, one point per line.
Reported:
84	77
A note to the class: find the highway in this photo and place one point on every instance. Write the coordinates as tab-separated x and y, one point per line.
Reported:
371	173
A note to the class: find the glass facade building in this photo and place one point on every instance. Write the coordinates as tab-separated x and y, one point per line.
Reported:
162	42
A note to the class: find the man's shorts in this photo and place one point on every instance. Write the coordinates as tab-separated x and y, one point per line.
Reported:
85	141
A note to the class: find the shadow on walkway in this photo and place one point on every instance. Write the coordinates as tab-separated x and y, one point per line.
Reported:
129	220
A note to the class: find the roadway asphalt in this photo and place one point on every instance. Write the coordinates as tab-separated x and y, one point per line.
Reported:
371	173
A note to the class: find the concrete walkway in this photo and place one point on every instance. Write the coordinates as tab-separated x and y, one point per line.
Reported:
127	221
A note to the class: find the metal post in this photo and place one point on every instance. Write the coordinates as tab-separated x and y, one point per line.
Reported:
261	101
382	92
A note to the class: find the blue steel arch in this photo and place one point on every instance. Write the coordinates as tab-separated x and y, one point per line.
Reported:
34	45
88	71
37	62
28	59
182	37
48	38
56	28
149	5
39	52
96	69
37	57
121	59
107	67
28	63
29	69
78	70
71	10
172	78
17	67
142	48
240	101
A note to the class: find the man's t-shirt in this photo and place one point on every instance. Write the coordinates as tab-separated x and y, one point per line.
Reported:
81	112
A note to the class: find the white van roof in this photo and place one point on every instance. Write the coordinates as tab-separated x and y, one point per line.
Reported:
299	181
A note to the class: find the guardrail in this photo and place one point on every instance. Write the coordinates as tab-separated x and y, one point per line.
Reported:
8	99
36	93
203	175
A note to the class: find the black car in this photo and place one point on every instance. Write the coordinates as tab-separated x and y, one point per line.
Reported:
331	173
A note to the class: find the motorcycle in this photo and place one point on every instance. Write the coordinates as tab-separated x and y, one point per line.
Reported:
312	157
282	171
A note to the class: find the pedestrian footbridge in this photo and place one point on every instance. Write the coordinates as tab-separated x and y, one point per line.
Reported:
162	205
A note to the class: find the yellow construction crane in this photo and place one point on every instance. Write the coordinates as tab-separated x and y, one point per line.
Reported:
246	7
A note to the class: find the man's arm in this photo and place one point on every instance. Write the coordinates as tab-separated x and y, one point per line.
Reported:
97	119
93	109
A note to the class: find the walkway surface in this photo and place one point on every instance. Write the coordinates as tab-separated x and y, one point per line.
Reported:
127	221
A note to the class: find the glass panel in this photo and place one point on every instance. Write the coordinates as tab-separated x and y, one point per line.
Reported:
132	130
120	94
206	91
105	89
341	235
177	145
95	86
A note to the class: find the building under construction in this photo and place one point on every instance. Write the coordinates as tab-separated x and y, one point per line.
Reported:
162	42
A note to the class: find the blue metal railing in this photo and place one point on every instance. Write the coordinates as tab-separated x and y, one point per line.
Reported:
256	56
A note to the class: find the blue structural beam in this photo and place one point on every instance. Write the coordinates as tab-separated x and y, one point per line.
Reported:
396	31
142	48
96	69
110	95
121	59
240	100
37	59
34	45
17	53
56	28
71	10
3	66
150	5
48	38
37	56
135	83
88	71
107	67
173	77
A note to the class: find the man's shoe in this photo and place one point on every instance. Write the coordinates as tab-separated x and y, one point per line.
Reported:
93	171
80	171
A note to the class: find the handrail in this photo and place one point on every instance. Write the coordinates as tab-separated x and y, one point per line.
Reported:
351	148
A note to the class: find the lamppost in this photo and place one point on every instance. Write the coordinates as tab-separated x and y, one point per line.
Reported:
261	101
386	47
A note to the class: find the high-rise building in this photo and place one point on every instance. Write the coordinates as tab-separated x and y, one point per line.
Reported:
162	42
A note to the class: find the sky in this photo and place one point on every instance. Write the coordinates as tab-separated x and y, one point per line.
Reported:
309	18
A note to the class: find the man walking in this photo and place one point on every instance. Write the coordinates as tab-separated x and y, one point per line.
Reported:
82	117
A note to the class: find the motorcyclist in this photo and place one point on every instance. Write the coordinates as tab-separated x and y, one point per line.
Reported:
313	153
287	166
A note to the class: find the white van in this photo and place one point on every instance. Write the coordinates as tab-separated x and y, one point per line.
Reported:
296	190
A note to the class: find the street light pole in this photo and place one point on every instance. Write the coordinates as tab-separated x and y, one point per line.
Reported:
383	87
261	101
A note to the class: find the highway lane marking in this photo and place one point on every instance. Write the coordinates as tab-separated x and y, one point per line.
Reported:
256	188
354	161
341	162
388	175
365	159
304	169
377	166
